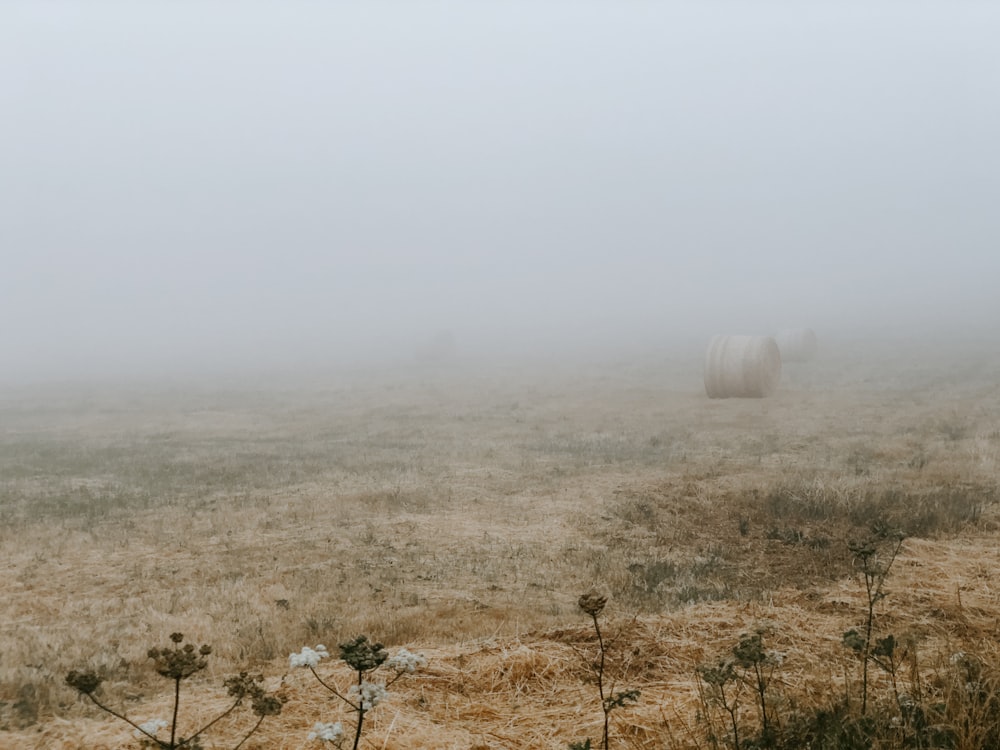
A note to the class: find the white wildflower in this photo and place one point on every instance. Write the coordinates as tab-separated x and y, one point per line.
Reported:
150	727
326	732
370	693
405	661
308	657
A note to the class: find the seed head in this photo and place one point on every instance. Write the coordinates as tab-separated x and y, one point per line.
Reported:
243	685
592	603
368	694
331	732
179	662
361	655
308	657
267	705
86	682
404	661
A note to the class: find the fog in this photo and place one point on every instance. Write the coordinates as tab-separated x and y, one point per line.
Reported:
199	186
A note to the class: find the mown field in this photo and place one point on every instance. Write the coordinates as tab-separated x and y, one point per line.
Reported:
460	510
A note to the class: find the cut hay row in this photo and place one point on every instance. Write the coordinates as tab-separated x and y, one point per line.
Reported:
535	691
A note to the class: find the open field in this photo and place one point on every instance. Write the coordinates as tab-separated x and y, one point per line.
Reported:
461	510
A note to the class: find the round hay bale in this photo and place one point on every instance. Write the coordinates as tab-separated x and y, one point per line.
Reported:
742	367
796	344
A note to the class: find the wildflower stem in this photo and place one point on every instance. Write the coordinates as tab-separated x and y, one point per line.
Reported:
177	702
221	716
600	680
247	735
124	718
874	573
357	730
360	709
333	690
761	686
389	683
731	710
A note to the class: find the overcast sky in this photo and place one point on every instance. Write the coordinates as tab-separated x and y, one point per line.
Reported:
201	183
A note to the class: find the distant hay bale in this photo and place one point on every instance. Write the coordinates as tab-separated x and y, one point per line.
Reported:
742	367
796	344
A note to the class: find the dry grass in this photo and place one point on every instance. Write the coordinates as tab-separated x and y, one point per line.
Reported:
461	512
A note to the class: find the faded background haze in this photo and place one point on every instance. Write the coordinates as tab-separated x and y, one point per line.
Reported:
211	187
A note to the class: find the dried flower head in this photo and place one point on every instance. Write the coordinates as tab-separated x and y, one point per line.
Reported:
592	603
308	657
719	672
368	694
246	685
266	704
86	682
361	655
406	661
331	732
243	684
179	662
